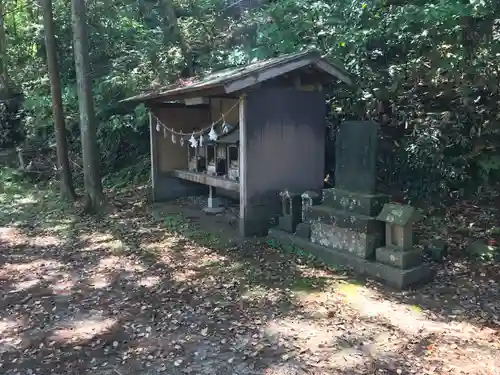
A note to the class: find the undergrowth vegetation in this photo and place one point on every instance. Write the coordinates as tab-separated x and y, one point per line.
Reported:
429	72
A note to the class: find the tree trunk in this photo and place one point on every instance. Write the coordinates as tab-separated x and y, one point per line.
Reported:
63	168
4	76
171	18
94	197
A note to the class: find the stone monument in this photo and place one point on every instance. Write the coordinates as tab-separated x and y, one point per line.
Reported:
346	220
343	225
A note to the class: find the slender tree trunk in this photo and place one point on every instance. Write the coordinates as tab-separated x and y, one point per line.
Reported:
4	75
63	168
171	18
94	197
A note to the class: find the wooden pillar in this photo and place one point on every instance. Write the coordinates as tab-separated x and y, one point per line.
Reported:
154	155
243	165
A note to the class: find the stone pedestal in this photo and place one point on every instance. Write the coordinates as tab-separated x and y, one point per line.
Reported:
399	259
356	203
342	222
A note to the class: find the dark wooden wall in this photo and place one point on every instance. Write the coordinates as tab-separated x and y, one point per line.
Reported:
284	149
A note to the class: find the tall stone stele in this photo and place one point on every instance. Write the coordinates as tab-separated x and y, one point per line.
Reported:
346	221
399	251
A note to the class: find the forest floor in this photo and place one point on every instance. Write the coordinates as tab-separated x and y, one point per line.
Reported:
167	290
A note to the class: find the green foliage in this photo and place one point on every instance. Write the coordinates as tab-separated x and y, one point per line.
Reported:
185	227
489	166
292	249
483	252
430	69
11	129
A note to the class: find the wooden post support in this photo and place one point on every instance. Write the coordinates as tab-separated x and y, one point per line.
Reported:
243	165
154	153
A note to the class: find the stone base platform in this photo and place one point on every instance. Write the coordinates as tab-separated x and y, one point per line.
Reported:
394	277
355	203
360	244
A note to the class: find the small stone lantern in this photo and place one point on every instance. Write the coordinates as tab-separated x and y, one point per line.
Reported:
291	208
309	198
398	250
399	221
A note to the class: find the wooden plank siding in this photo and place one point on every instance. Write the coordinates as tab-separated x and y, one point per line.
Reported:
282	147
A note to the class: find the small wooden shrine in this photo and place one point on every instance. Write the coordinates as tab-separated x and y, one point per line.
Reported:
218	157
246	132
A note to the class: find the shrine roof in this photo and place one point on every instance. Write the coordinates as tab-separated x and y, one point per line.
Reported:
241	77
398	214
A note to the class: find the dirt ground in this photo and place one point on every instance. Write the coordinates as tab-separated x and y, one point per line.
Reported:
171	290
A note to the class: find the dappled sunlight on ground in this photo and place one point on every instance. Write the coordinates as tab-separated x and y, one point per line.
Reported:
25	285
12	236
99	241
10	338
63	287
149	281
81	330
111	267
129	295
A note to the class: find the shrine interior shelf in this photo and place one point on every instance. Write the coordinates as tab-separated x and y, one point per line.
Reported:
205	179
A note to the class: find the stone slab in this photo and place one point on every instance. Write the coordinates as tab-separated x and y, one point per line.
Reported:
397	258
213	210
344	219
303	230
394	277
287	223
360	244
356	203
398	278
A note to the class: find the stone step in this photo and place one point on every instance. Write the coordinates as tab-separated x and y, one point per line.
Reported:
356	203
344	219
395	277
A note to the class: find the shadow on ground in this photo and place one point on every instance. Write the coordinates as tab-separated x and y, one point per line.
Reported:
145	292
